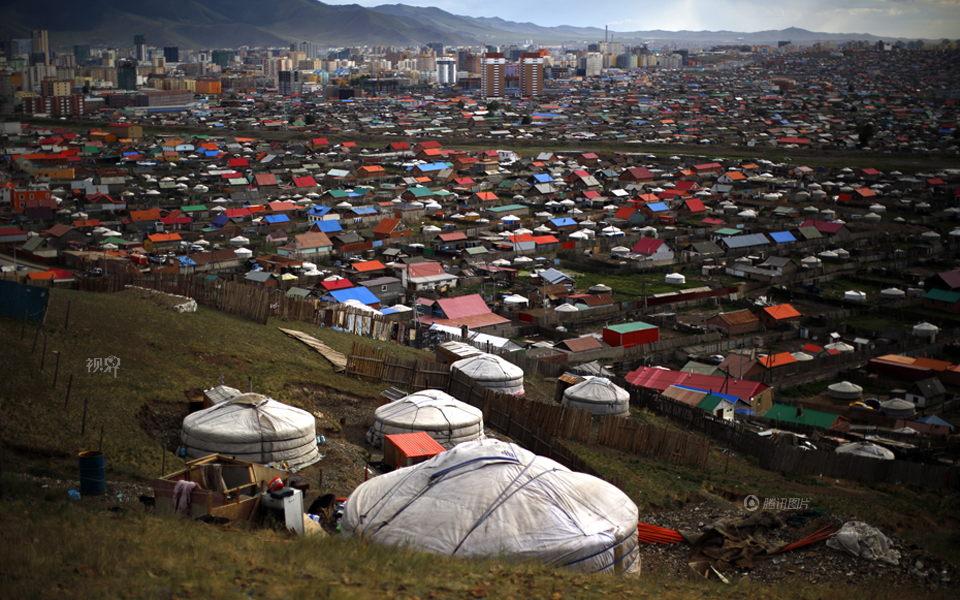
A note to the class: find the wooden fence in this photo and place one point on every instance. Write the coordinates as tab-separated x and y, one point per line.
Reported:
366	363
416	374
505	411
323	314
244	301
641	438
822	463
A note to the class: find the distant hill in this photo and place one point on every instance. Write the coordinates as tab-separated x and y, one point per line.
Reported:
217	23
235	23
497	29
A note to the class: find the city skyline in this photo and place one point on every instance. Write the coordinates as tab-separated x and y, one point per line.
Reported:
927	19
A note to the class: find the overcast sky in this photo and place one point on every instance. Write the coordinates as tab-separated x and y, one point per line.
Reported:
930	19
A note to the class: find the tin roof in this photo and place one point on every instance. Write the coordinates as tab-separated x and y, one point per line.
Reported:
415	445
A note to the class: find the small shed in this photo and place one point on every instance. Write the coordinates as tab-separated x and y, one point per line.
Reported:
407	449
717	406
631	334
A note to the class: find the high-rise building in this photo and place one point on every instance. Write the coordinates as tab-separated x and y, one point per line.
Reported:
273	66
41	43
171	54
6	92
82	53
591	64
33	75
310	49
446	70
140	47
531	74
437	47
51	86
289	83
221	57
21	47
127	76
493	75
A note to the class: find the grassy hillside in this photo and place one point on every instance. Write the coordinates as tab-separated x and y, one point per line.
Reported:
104	546
161	355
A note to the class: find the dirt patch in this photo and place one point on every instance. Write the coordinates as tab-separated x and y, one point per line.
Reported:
815	563
162	422
155	297
343	467
336	405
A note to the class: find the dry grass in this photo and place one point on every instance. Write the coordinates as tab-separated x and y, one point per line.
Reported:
55	547
161	353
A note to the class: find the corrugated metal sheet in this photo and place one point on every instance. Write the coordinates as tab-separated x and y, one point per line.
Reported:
415	445
17	299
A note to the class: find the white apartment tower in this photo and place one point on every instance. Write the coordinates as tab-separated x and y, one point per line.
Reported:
446	71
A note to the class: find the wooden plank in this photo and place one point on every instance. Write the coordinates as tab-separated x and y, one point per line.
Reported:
337	359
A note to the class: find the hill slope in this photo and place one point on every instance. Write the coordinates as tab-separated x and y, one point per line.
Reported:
497	29
216	23
161	355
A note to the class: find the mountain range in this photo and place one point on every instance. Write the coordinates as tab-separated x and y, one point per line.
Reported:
235	23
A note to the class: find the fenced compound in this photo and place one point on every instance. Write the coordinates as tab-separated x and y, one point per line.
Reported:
791	459
820	463
254	303
357	321
237	299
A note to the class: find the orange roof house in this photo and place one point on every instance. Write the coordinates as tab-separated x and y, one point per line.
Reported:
772	316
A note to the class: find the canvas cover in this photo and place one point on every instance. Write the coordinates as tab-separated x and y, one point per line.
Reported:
254	428
599	395
487	498
493	372
444	418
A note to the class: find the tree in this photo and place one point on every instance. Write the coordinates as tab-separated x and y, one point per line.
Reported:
310	119
865	132
461	104
493	106
526	120
86	88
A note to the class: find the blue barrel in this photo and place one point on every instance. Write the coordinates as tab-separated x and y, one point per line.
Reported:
93	475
